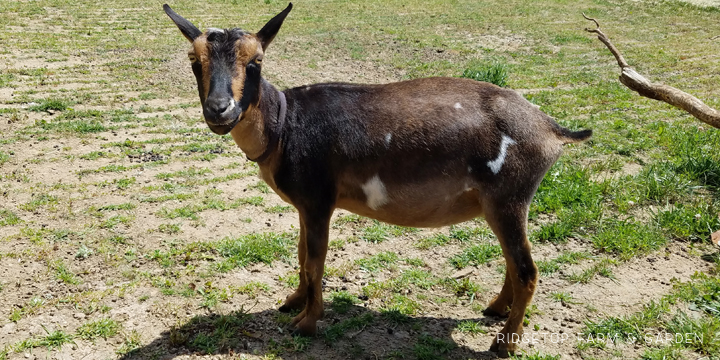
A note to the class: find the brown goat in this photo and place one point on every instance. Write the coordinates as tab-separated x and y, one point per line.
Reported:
423	153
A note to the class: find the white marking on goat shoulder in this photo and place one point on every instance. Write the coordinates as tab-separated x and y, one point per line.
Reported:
388	137
458	106
375	193
212	30
229	108
496	165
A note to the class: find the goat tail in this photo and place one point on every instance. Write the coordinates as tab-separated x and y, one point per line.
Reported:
568	136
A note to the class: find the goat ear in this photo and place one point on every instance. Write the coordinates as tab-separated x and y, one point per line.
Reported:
268	32
186	27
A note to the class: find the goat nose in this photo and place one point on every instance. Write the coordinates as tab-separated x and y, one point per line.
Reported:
218	106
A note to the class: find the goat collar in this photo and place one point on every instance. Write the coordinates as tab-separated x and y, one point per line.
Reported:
274	133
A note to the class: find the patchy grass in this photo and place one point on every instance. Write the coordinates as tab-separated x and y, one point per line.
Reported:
382	260
342	301
495	73
476	255
115	194
8	217
627	239
101	328
50	104
254	248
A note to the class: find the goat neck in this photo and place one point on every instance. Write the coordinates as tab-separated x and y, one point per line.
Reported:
260	127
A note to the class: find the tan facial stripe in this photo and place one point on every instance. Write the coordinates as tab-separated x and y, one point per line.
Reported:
246	49
202	52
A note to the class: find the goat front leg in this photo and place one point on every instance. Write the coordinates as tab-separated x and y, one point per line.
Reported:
297	300
509	224
317	230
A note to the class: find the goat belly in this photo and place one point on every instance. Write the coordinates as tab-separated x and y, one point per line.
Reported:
431	204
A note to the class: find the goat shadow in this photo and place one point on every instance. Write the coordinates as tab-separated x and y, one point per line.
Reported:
359	333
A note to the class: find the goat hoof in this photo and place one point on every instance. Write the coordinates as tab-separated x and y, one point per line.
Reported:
503	349
294	301
492	312
306	327
501	353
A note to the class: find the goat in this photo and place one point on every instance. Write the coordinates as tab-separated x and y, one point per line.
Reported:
423	153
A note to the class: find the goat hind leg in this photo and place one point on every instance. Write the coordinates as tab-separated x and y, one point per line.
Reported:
509	223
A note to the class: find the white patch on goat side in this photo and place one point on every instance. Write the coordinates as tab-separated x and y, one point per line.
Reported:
212	30
458	106
229	108
496	165
388	137
375	193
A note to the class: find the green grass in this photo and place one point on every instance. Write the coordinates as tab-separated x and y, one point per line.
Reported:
115	207
39	201
342	301
601	267
568	192
690	222
699	332
8	217
254	248
94	155
495	73
430	348
64	274
168	197
337	331
50	104
471	327
116	220
376	233
55	339
562	297
383	260
210	334
73	126
252	289
476	255
101	328
192	211
699	335
549	267
4	158
170	229
189	173
648	179
627	239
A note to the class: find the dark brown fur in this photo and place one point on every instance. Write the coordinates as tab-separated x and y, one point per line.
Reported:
415	153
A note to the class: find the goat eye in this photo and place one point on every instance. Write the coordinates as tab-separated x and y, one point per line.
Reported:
192	58
258	61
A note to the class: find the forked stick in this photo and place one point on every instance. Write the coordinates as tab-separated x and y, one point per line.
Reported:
636	82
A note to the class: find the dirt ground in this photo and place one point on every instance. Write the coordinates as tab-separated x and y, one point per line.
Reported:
58	192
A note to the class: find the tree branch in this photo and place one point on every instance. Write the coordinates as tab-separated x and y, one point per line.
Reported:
636	82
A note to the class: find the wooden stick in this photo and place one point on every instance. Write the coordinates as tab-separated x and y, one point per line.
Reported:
638	83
